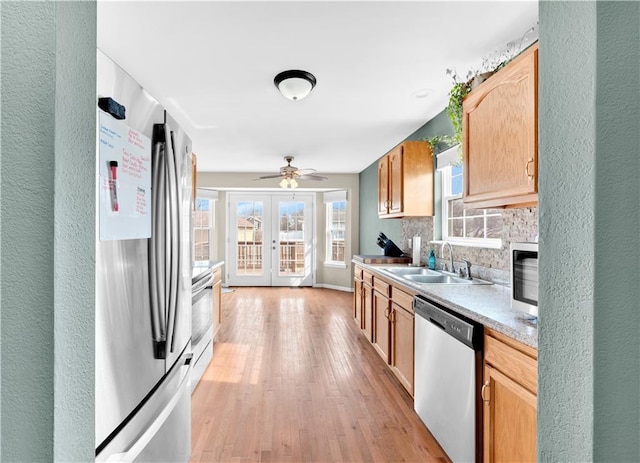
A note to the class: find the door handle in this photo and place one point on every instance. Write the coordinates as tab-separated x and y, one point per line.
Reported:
526	169
485	386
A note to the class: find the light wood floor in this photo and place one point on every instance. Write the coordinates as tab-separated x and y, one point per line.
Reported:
292	379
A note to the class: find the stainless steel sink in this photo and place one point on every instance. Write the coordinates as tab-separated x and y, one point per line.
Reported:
404	271
426	276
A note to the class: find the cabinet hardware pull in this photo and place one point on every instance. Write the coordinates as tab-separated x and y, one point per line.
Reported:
526	169
386	314
484	387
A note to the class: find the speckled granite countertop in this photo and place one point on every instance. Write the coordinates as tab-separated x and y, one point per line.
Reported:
486	304
200	266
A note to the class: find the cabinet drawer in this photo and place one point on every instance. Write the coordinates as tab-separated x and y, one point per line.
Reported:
382	287
512	362
402	299
357	273
217	275
367	277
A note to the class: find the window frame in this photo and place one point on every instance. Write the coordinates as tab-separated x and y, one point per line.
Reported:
446	197
328	260
212	211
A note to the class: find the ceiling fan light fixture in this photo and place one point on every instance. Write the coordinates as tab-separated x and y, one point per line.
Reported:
295	84
288	182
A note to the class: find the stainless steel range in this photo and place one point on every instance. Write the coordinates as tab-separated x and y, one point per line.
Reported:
201	322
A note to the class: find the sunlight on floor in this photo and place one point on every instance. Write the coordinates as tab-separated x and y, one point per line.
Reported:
230	361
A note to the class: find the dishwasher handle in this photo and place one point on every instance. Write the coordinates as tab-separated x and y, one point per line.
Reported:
457	326
435	322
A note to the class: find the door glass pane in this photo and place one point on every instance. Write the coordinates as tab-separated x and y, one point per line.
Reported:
291	238
250	216
201	229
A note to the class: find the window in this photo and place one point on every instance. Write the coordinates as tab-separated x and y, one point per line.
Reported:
202	229
336	228
464	226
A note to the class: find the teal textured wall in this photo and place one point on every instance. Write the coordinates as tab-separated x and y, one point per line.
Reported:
589	243
75	234
370	224
28	126
617	234
46	211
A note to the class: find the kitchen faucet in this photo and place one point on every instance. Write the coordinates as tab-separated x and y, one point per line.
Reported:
450	255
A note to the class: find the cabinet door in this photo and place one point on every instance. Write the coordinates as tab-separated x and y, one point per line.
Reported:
402	341
367	310
509	419
396	181
500	136
383	186
357	302
217	301
381	310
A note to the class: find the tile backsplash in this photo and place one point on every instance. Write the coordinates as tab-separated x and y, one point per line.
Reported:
520	224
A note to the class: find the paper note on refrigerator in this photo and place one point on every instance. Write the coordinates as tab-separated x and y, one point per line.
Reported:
124	179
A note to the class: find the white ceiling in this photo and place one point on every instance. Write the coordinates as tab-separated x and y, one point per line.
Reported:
212	64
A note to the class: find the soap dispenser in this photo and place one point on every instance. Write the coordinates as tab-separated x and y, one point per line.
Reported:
432	259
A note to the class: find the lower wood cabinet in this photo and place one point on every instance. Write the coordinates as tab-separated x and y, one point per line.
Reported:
509	397
381	309
402	338
357	296
367	304
217	300
385	314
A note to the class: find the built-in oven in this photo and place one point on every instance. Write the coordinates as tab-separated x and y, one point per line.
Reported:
524	277
201	324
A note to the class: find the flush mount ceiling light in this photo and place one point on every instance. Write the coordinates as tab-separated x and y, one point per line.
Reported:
295	84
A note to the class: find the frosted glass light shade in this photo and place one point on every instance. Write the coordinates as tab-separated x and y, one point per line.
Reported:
288	183
294	84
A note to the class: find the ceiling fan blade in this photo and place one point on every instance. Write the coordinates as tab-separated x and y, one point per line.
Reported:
312	177
306	171
268	176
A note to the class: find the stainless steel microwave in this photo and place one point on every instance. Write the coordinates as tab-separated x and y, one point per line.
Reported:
524	277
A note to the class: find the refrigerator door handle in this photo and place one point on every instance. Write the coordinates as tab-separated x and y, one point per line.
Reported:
174	235
157	254
139	445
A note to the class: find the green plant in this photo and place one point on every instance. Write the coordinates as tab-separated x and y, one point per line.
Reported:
436	142
460	89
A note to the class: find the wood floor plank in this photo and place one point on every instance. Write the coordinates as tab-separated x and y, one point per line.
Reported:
292	379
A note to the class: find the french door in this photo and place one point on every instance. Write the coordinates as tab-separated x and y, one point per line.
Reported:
270	239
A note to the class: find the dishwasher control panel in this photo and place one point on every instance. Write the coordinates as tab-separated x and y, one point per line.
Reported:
464	330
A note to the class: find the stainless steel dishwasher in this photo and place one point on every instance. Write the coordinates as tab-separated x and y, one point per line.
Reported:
448	364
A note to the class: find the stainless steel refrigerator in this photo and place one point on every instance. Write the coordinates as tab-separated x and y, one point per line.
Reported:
143	276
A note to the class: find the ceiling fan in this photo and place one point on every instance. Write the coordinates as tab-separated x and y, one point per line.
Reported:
290	174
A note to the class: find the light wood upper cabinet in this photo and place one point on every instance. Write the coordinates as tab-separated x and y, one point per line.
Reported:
509	400
405	181
383	186
500	136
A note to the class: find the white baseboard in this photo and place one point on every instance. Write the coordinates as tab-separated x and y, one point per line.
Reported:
337	288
